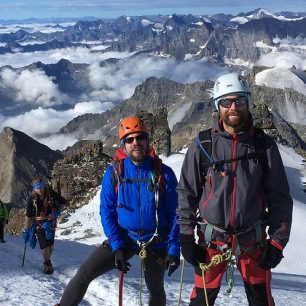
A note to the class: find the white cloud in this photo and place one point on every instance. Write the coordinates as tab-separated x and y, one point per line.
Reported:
41	121
59	141
285	59
118	81
73	54
32	87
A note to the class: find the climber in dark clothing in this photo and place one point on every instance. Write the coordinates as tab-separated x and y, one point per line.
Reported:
43	209
235	201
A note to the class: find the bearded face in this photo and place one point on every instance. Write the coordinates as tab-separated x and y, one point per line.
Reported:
234	115
136	146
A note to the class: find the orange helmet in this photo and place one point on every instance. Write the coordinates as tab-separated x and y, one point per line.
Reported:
131	125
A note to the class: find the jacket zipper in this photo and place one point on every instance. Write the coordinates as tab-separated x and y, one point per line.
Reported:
234	182
139	200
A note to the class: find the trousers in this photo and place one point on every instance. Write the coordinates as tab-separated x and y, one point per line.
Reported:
256	280
102	260
2	222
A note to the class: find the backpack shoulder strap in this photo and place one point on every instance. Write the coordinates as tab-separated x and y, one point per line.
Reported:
158	174
118	173
205	147
261	149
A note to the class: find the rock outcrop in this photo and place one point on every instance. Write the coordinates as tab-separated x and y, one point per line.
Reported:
21	159
160	134
77	176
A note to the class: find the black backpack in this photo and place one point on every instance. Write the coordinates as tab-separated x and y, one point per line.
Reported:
204	143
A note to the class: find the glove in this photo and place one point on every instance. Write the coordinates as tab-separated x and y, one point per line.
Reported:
47	227
270	257
6	221
191	251
32	239
172	263
56	213
120	262
26	234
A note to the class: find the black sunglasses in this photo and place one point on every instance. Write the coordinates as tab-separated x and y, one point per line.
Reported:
139	138
239	101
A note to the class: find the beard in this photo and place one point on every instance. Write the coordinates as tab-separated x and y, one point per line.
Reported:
235	119
138	154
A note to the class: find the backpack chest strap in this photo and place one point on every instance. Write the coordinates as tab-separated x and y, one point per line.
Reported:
135	180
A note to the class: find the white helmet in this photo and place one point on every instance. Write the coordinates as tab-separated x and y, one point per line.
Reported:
228	84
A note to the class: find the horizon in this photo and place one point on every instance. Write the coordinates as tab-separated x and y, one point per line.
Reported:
33	9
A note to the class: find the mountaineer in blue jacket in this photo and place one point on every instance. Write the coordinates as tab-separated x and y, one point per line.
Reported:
138	214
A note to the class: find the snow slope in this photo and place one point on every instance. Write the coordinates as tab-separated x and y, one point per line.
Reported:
29	286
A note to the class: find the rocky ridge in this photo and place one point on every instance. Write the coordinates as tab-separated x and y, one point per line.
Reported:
22	158
190	108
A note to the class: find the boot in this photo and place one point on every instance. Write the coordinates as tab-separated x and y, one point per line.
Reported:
2	241
48	269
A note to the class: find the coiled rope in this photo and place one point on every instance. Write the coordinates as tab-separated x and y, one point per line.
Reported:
216	260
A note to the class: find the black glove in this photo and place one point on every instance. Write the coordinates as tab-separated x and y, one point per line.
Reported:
6	221
120	262
270	257
191	251
172	263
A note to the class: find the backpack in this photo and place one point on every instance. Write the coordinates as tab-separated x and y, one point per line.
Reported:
157	179
204	143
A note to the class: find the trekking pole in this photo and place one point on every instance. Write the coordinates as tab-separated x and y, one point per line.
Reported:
181	283
120	287
24	253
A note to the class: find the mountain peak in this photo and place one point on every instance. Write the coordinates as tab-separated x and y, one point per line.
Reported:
22	157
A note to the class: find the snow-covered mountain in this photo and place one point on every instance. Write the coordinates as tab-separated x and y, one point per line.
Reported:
263	13
92	65
77	238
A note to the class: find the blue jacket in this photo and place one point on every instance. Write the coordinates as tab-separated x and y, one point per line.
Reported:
130	214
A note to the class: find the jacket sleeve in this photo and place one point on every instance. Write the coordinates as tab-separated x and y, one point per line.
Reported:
30	212
171	206
189	190
58	200
108	212
280	202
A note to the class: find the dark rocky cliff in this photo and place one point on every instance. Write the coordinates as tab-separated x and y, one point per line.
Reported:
21	158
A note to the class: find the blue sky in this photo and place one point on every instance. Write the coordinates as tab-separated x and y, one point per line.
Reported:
20	9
